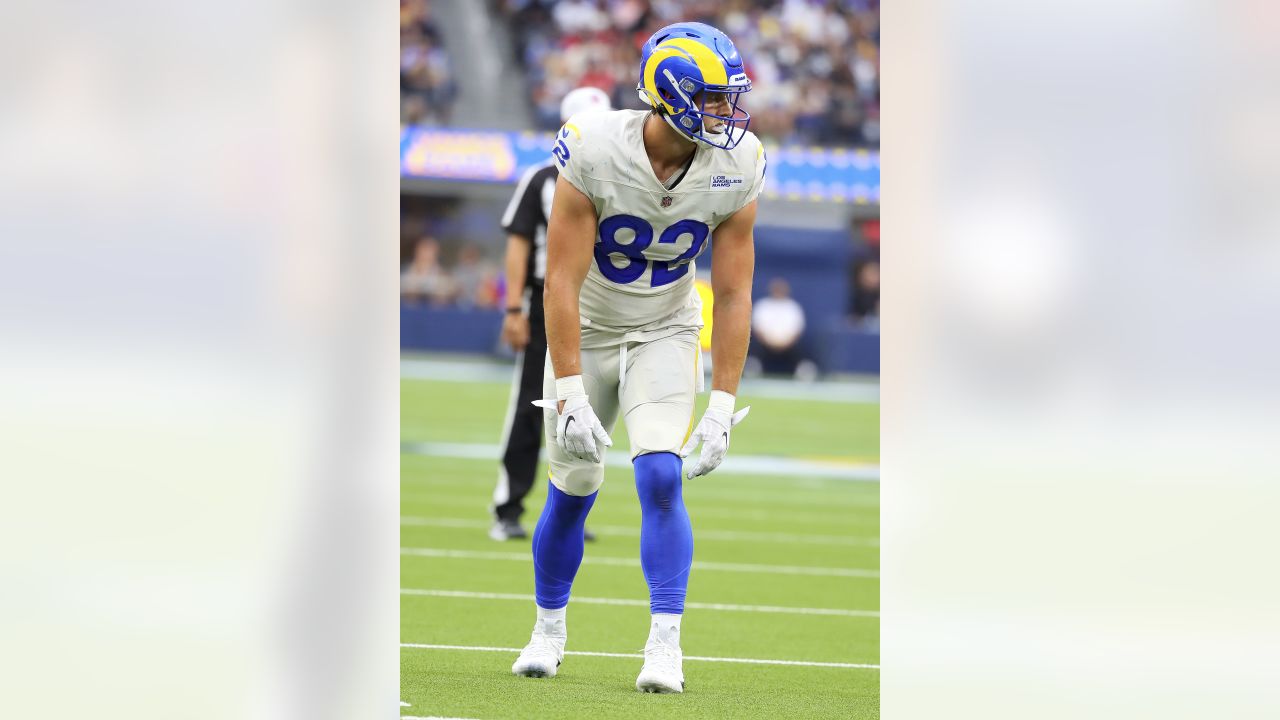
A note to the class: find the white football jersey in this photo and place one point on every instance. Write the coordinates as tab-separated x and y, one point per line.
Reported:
640	285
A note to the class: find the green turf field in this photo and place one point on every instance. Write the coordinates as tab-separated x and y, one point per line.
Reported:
796	557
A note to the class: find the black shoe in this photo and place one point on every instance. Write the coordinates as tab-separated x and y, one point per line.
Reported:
588	535
507	530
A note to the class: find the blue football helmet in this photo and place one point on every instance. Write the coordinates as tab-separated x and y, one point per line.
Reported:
688	60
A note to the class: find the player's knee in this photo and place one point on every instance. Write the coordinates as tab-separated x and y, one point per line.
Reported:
578	479
564	509
658	479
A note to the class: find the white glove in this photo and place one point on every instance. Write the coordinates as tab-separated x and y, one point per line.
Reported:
578	429
713	433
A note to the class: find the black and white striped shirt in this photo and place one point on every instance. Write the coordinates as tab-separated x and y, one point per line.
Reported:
527	214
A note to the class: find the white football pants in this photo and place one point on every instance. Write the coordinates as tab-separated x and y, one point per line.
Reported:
652	383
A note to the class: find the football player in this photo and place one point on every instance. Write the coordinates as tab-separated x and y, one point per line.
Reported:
641	194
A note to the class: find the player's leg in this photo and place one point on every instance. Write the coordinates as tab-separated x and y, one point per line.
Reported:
573	485
657	403
522	437
558	537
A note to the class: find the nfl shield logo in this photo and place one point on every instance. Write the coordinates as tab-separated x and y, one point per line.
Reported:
666	201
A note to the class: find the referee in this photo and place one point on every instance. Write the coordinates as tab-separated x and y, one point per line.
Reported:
525	222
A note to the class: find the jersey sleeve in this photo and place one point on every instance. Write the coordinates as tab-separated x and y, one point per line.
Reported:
749	163
757	184
571	157
524	211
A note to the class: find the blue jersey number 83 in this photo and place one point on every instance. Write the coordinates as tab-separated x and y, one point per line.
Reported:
664	272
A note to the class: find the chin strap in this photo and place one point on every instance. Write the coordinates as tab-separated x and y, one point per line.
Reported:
679	131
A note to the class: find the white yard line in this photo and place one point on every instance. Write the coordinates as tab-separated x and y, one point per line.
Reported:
741	464
698	658
743	516
727	535
794	492
471	370
629	602
635	562
726	495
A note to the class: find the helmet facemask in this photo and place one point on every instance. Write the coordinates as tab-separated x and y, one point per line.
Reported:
723	125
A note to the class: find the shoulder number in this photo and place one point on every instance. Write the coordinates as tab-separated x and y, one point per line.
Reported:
561	151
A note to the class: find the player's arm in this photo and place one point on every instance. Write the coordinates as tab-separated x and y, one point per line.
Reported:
515	325
733	262
571	234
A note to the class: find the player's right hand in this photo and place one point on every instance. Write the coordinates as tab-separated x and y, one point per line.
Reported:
515	330
578	430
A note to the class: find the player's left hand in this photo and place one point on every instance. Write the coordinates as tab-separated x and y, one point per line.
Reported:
713	432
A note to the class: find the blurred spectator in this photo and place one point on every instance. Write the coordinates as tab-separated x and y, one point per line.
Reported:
814	64
866	293
472	282
864	274
777	322
473	279
493	288
424	280
427	87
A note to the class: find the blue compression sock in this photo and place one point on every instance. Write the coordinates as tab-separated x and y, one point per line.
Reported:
666	537
557	546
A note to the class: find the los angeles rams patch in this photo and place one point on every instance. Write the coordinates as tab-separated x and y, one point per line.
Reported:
726	182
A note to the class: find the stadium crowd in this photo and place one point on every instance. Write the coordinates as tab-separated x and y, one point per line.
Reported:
470	280
814	64
427	85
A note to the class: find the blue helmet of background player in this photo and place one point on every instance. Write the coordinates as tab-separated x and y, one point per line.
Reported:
680	66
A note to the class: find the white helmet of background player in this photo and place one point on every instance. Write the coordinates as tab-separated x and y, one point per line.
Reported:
583	99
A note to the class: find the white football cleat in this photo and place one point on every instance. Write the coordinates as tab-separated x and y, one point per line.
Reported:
662	672
541	657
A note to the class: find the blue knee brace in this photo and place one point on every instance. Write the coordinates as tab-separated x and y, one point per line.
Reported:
666	537
557	546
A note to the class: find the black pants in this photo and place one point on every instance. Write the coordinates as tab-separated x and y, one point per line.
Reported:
780	362
522	439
